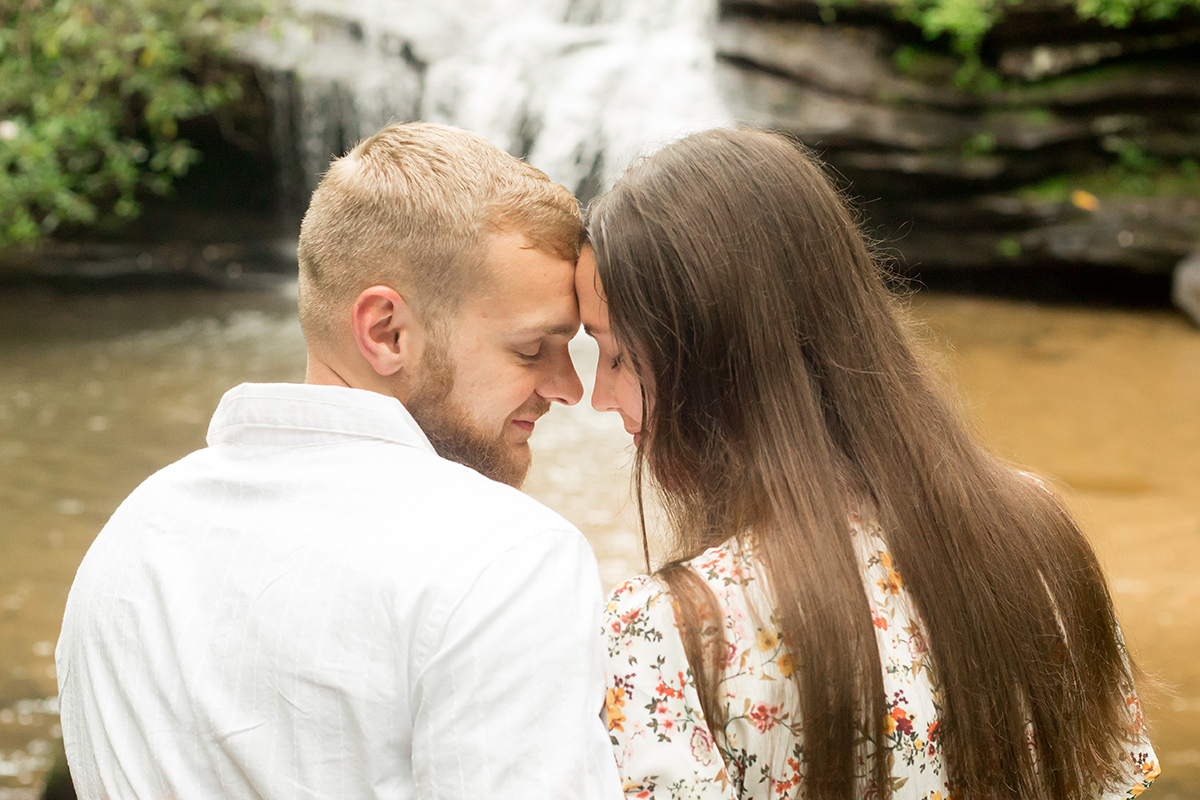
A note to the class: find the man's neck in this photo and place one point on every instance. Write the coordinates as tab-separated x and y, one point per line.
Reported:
320	373
323	372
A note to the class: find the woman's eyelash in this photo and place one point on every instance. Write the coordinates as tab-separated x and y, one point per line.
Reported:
618	359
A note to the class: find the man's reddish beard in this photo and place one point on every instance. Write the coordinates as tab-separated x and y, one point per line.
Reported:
452	432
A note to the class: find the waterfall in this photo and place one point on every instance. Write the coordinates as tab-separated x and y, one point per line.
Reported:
577	87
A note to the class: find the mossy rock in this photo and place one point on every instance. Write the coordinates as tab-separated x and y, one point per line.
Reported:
1180	181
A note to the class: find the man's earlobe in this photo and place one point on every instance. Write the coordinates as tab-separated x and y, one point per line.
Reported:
384	328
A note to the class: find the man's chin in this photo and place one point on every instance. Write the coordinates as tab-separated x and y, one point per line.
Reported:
511	470
492	459
520	471
513	467
454	438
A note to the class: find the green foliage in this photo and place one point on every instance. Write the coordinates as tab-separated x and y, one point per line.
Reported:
1149	178
925	64
981	144
1120	13
1009	247
1135	169
1038	116
1132	159
91	96
967	22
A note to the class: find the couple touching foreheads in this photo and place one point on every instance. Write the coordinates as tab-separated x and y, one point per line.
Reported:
343	596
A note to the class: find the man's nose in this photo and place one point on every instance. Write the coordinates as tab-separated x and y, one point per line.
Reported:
562	384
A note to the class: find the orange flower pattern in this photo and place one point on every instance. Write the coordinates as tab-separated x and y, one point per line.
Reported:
664	748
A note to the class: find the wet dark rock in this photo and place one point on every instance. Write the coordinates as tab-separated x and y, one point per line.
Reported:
1185	286
846	59
940	170
167	247
1037	61
858	61
1151	235
877	11
1147	235
1115	86
818	116
225	264
943	172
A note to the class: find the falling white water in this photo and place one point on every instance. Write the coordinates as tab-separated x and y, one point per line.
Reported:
579	87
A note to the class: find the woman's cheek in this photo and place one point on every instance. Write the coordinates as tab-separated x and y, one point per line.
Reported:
630	396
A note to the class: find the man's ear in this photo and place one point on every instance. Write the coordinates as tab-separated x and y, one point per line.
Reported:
385	329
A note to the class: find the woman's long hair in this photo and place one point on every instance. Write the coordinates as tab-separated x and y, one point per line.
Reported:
784	392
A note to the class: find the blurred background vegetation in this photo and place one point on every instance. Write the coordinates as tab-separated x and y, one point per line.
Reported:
967	22
92	93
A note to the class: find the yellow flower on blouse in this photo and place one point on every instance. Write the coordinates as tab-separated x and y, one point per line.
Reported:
786	665
614	699
665	749
767	640
891	583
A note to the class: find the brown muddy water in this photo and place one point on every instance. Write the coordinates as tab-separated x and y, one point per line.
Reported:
98	391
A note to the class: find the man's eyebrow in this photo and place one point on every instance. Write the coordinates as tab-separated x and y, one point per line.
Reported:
566	329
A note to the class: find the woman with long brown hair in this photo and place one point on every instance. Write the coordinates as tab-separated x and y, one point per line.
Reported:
860	601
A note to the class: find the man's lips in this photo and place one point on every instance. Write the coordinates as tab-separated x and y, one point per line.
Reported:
525	424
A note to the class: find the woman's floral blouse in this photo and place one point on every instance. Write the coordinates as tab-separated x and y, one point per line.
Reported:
663	746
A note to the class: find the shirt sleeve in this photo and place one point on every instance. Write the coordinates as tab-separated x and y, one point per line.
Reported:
509	702
663	745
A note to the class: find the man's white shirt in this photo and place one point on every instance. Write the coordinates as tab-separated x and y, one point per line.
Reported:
318	606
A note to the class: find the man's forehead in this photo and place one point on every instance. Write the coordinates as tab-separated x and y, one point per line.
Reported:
505	248
530	313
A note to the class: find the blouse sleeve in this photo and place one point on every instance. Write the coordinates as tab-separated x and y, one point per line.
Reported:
1141	765
663	746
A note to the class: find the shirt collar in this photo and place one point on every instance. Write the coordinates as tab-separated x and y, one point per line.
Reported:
296	413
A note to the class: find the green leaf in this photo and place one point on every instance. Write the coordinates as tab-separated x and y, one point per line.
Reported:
95	90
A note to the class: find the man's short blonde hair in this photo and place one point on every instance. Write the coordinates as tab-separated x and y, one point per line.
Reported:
413	207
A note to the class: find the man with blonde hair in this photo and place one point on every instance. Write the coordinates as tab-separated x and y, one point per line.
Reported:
323	603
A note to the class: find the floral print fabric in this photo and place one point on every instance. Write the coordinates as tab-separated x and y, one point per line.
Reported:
663	745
